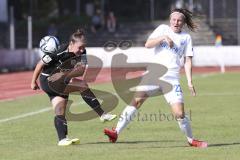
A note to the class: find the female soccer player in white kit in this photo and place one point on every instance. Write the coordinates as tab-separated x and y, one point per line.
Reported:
170	45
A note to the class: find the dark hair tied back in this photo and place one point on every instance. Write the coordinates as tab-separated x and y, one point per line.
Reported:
79	35
80	31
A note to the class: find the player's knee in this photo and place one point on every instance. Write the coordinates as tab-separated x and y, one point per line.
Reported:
59	110
179	115
84	86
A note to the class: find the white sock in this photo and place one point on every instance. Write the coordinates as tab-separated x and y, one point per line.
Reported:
126	117
185	127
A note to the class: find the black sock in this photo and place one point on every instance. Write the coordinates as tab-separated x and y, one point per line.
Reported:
92	101
61	126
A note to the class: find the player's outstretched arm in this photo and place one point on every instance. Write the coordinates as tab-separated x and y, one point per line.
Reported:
36	73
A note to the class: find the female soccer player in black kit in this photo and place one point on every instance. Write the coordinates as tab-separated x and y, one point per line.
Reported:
47	68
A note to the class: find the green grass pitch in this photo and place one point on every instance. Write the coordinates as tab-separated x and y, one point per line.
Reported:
215	116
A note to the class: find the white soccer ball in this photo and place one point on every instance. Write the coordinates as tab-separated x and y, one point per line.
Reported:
49	44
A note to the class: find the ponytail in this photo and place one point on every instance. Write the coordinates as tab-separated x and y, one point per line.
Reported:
79	35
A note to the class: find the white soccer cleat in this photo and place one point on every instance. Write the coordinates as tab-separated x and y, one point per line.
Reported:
65	142
107	117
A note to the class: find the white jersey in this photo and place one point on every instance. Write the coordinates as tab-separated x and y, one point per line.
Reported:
171	57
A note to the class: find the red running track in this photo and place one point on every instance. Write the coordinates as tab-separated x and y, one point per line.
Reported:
15	85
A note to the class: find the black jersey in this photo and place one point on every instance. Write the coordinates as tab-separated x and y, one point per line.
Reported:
61	57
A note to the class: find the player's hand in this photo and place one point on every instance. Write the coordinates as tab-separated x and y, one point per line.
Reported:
34	86
192	90
169	41
56	76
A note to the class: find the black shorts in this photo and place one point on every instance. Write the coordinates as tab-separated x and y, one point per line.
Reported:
50	92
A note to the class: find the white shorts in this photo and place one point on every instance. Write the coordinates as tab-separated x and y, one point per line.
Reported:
173	96
176	94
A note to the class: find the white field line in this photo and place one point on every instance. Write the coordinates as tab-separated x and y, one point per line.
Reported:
31	113
46	109
25	115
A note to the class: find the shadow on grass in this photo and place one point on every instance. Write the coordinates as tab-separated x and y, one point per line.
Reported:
151	144
135	142
223	144
156	144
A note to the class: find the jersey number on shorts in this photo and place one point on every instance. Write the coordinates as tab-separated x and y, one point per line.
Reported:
178	88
